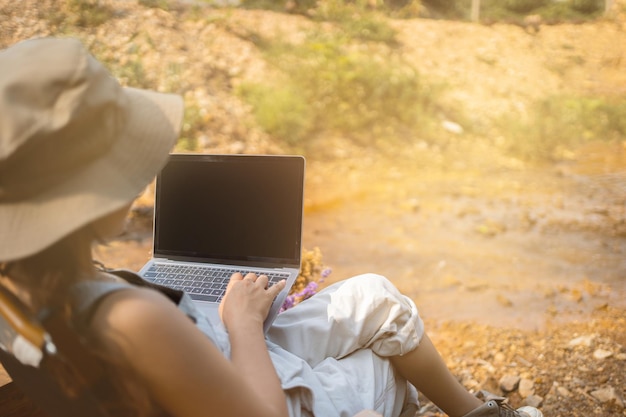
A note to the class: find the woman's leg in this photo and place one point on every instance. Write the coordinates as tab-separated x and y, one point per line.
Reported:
365	311
368	311
427	371
346	333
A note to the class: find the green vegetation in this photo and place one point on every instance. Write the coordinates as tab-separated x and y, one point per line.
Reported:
523	6
192	127
550	11
559	124
450	9
329	84
156	4
81	13
516	10
280	110
273	5
356	21
334	10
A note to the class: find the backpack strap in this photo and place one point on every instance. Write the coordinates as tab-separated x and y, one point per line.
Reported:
87	295
132	278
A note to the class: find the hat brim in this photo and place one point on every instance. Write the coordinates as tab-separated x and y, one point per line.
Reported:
106	185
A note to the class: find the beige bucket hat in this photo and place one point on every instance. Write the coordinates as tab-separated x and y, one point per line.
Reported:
74	144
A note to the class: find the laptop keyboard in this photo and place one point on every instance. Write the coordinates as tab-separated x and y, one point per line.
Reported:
204	283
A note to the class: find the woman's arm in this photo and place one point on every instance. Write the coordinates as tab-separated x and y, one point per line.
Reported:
183	371
243	311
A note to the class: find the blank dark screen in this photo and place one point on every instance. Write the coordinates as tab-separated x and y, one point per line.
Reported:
230	208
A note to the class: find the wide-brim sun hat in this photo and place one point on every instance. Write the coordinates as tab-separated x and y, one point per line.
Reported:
74	144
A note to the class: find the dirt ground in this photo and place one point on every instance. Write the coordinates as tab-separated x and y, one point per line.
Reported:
532	245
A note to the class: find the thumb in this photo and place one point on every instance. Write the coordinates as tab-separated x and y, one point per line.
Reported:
276	288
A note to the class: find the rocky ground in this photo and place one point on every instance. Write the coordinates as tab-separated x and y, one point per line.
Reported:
573	369
519	270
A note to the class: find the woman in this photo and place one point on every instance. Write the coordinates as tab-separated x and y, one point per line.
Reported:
75	149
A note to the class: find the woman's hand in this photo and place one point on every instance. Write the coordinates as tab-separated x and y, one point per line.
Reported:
248	299
243	310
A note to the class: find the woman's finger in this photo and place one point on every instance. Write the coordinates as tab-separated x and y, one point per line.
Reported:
262	281
250	276
236	276
276	288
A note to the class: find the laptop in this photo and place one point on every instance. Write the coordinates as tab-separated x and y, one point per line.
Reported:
215	215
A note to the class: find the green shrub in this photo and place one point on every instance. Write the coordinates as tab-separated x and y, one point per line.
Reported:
329	85
441	4
296	6
560	12
132	73
155	4
356	21
192	124
524	6
587	6
496	10
316	8
66	14
450	9
280	110
551	11
406	9
563	122
88	13
516	10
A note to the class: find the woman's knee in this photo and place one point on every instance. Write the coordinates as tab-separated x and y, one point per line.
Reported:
374	285
373	309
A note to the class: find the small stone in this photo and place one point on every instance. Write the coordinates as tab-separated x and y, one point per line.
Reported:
563	392
489	384
526	388
602	354
471	384
608	395
533	401
582	341
452	127
552	394
499	357
237	147
450	281
576	295
509	383
504	301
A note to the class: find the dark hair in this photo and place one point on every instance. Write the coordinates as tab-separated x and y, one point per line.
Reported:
47	277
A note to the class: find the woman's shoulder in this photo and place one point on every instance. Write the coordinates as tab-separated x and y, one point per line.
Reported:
130	310
125	312
132	323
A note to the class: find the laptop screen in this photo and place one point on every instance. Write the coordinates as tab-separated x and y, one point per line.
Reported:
232	209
